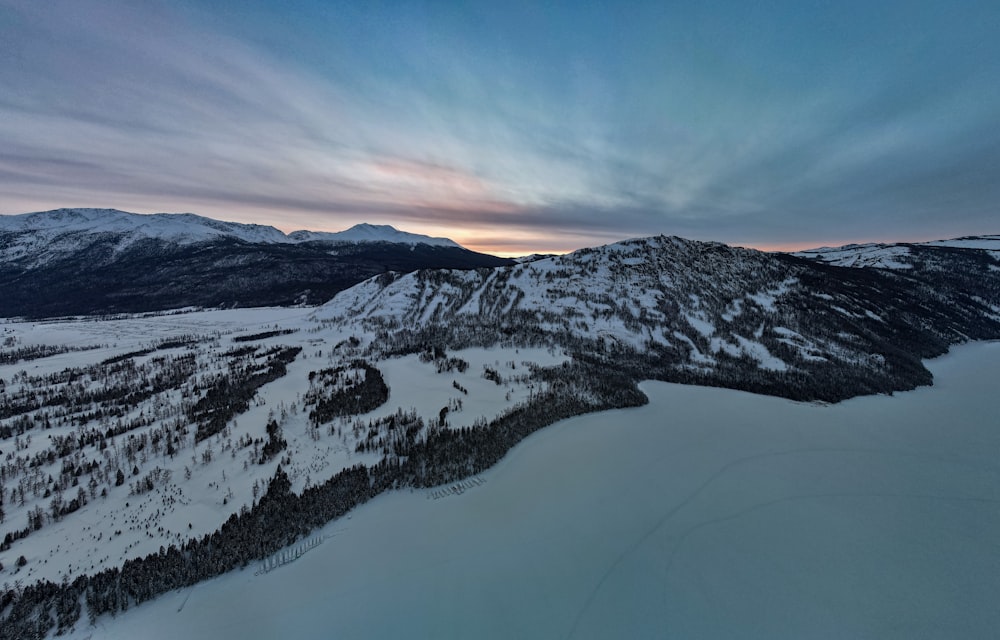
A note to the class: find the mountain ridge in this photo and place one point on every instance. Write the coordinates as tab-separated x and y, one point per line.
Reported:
685	311
32	229
896	255
99	261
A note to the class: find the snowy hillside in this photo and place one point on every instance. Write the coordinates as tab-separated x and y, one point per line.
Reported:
861	255
686	311
895	256
155	430
988	243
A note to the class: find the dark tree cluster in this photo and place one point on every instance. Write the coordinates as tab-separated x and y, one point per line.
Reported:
230	394
253	337
442	362
240	352
173	343
492	375
335	394
275	442
393	434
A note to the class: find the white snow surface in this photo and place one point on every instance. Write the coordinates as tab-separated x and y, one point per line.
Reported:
892	256
183	228
860	255
990	243
708	513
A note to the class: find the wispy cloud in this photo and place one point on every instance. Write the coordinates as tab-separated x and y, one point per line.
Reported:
574	127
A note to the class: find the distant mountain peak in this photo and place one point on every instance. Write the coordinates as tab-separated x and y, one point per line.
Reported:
59	227
367	226
73	261
366	232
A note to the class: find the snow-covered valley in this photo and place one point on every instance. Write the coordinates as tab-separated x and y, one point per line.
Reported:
708	513
143	455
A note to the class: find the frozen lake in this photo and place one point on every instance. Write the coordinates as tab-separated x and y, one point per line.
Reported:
706	514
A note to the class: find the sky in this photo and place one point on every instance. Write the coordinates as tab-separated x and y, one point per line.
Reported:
513	127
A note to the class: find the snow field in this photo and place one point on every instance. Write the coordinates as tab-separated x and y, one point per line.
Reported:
209	481
417	385
889	256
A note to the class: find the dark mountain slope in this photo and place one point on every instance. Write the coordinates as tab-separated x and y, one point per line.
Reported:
88	271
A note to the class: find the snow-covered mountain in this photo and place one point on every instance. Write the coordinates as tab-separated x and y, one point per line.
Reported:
182	228
44	236
77	261
370	233
695	311
896	255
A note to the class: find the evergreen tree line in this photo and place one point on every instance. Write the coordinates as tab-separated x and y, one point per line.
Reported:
123	386
36	352
263	335
450	455
173	343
